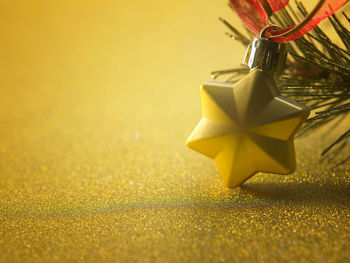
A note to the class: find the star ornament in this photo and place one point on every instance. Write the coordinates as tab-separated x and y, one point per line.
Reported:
247	127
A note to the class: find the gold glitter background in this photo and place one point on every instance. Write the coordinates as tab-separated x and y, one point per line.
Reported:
97	99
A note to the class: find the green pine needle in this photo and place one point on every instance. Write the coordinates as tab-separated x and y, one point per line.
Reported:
317	73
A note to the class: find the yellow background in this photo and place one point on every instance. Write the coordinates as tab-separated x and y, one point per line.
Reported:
97	99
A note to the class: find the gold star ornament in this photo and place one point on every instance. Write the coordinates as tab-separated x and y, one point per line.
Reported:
247	127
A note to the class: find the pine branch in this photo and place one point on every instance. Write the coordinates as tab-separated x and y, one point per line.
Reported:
317	73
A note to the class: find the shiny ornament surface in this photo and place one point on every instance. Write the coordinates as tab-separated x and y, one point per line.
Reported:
247	128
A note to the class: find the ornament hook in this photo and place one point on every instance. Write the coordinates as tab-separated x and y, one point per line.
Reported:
266	29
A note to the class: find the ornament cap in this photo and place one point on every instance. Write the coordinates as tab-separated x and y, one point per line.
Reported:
266	54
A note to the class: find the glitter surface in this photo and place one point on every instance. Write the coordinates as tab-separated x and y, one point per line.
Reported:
93	162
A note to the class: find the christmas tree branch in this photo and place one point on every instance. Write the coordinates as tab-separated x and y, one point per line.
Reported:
317	73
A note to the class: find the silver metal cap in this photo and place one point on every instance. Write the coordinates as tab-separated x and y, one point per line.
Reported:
267	55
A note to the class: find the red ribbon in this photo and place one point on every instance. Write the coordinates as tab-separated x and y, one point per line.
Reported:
254	16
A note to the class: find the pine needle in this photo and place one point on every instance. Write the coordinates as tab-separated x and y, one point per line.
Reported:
317	73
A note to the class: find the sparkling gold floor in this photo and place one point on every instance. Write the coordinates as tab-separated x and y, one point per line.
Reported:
96	101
